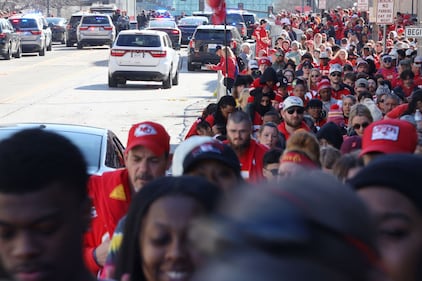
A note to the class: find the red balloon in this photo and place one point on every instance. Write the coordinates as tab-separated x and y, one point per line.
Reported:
214	3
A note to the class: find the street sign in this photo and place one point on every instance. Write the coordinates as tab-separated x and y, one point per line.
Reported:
363	5
385	12
413	32
322	4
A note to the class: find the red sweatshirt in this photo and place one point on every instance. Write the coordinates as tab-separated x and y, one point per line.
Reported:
111	195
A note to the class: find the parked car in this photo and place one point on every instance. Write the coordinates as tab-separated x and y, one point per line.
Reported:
143	55
10	41
58	29
71	27
95	30
102	149
35	33
169	27
187	26
251	22
204	41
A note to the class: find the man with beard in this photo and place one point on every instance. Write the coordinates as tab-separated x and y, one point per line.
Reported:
293	117
146	158
249	152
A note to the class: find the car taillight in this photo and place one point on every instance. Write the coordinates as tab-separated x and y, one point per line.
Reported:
108	28
83	28
158	54
233	44
2	35
117	53
192	43
175	31
36	32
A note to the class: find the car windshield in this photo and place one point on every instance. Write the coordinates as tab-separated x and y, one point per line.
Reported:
216	35
249	19
95	20
234	18
192	21
162	23
89	144
24	23
138	40
55	20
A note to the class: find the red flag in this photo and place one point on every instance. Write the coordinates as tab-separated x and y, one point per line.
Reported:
219	14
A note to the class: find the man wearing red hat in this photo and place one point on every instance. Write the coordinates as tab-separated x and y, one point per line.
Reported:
388	136
146	158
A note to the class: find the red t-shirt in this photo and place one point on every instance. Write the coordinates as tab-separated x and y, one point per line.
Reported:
251	161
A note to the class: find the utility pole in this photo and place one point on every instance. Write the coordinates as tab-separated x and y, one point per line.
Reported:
419	24
48	8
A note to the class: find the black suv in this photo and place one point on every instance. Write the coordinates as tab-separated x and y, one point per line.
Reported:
205	40
251	22
73	23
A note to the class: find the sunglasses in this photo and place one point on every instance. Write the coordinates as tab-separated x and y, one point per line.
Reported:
335	74
298	110
387	60
363	125
273	172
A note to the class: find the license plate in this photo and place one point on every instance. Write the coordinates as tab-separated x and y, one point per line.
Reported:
138	54
212	46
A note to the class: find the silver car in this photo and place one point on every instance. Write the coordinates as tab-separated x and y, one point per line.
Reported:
35	34
101	148
95	30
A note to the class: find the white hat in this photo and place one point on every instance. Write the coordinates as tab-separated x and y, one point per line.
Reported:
336	68
292	101
183	149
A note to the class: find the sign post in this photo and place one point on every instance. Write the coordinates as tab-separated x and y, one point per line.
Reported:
385	16
415	32
385	12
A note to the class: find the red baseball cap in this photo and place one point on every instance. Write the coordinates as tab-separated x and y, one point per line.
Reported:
264	61
389	136
151	135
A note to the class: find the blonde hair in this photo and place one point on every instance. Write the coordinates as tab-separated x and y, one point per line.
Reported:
305	142
228	50
359	109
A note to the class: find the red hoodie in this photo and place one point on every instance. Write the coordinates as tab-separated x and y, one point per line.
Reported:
111	195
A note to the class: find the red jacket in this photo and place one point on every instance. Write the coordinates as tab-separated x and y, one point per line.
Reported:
111	195
251	161
231	62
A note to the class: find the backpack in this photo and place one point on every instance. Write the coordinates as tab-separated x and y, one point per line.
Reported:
240	63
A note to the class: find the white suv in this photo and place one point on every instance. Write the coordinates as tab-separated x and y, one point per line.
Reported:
95	30
143	55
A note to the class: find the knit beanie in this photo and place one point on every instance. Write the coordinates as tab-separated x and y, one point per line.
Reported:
336	115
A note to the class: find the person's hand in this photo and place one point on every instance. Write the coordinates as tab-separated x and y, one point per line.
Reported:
110	269
101	252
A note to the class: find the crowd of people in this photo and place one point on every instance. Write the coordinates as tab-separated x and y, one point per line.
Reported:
305	171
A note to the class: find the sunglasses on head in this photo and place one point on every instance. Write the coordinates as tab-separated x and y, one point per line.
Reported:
363	125
298	110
